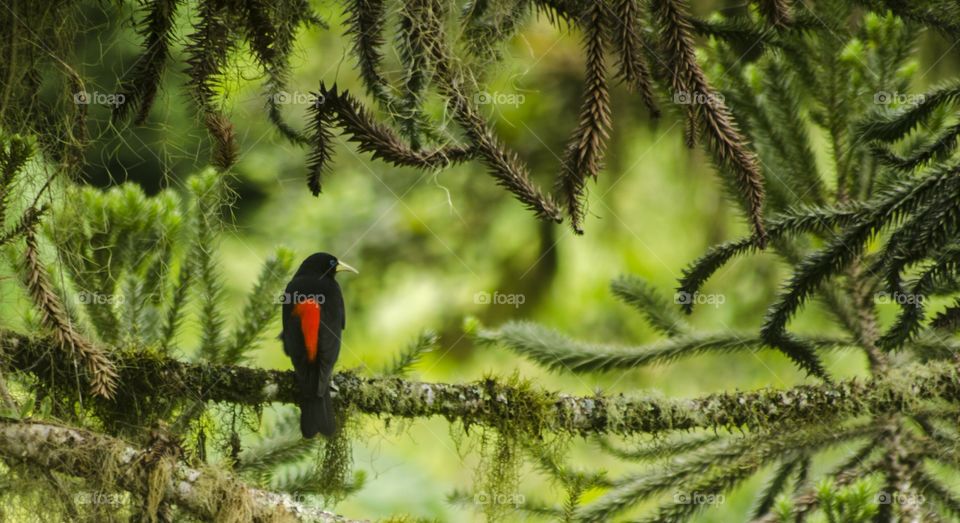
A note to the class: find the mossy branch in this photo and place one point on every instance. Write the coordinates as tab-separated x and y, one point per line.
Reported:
208	493
516	406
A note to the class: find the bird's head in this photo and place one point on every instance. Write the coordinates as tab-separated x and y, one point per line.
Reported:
321	264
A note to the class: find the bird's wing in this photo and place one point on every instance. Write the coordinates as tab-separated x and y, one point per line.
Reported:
309	314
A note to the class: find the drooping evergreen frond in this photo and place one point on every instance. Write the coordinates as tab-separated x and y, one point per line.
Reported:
207	201
554	350
939	148
628	38
774	487
815	269
889	126
504	165
207	49
418	37
777	12
321	141
140	89
421	345
259	310
791	223
661	450
711	470
365	26
707	110
658	312
583	158
94	359
380	140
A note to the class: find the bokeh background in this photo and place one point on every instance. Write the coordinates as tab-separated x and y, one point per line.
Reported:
427	244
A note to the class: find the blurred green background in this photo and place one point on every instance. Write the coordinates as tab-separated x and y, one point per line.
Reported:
427	244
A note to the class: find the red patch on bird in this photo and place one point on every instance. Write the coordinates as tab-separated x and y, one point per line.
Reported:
309	313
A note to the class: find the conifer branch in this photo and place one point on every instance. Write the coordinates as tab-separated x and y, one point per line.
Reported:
938	14
365	25
732	461
556	351
659	313
850	470
205	492
174	314
890	126
141	87
380	140
777	12
939	148
208	199
943	495
416	36
795	222
583	158
421	345
504	165
207	51
101	372
774	487
708	111
258	313
26	223
519	406
840	253
948	320
320	138
628	37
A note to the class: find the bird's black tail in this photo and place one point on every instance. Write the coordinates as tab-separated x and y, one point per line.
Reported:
316	415
316	410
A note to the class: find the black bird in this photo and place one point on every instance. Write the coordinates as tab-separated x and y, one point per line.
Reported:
313	319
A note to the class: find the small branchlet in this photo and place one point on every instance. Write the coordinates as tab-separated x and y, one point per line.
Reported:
141	86
584	153
92	358
707	112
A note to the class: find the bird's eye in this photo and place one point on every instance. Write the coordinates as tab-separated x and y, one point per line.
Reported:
333	262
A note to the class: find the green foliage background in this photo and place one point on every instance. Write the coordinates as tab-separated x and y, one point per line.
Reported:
427	244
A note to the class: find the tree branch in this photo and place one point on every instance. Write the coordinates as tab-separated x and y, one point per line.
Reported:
88	455
516	407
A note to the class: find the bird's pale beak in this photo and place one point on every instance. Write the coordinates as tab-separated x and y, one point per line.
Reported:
344	267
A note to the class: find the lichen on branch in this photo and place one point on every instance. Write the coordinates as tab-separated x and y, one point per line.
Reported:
517	406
